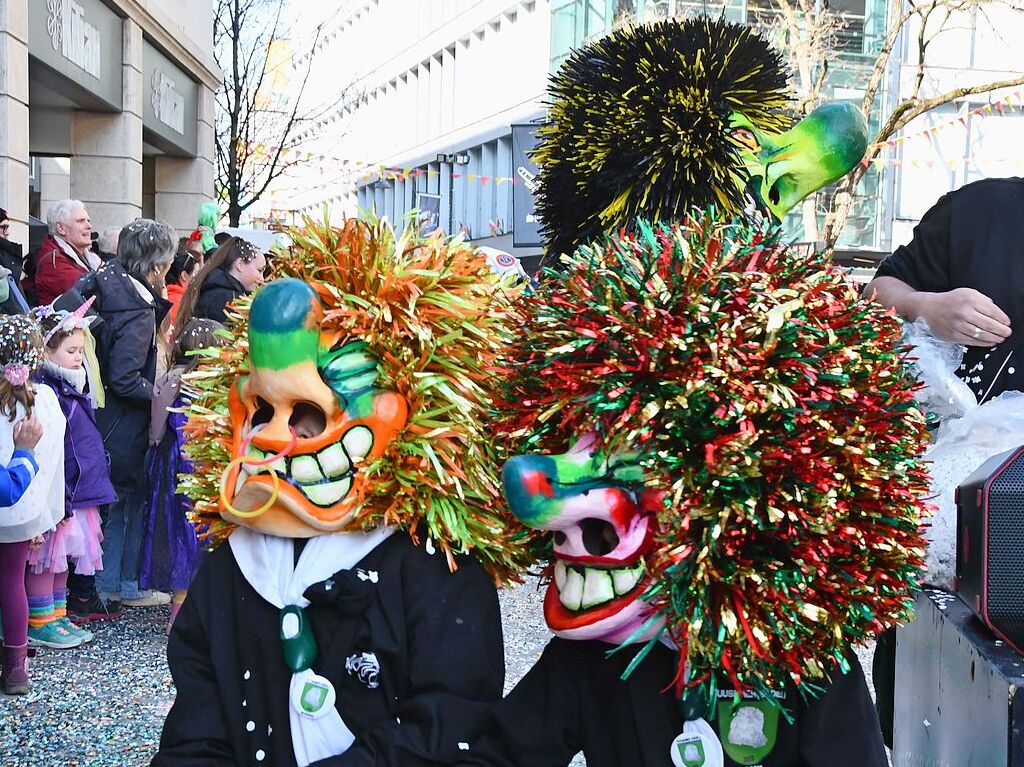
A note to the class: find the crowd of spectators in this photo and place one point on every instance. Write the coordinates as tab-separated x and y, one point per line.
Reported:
118	310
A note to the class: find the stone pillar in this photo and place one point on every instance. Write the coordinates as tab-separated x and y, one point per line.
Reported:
14	115
106	149
183	184
54	182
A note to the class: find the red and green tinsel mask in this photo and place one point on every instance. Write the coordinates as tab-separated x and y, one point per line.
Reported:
770	411
354	391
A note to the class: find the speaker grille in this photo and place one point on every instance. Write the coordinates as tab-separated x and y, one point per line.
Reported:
1006	550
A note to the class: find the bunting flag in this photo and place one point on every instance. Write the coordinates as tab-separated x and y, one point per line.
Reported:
930	132
361	171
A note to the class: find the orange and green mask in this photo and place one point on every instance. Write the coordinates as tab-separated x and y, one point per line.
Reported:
354	392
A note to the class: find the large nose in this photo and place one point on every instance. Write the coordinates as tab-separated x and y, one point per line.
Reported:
820	149
529	484
284	342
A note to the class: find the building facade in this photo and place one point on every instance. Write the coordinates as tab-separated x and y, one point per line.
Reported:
427	94
110	102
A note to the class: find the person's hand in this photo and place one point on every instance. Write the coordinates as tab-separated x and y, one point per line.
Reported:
36	542
27	433
964	316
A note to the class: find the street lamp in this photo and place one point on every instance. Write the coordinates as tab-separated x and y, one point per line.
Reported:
453	159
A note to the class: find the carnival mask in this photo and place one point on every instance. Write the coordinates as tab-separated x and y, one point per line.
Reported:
306	417
781	169
602	522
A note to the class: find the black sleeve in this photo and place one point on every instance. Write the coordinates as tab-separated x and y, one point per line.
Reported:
455	664
194	734
210	305
129	349
924	263
538	724
841	728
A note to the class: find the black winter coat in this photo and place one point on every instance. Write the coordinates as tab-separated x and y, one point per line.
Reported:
127	352
434	635
217	291
574	699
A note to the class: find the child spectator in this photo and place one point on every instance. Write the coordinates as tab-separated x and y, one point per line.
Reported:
31	485
86	480
170	549
178	277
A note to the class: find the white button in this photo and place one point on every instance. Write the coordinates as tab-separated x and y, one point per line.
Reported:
290	626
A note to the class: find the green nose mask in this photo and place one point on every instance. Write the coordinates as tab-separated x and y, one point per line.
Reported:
782	169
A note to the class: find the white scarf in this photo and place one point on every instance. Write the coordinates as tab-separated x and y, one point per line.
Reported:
268	563
87	260
75	378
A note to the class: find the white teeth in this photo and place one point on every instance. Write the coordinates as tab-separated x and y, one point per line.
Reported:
571	594
280	466
560	574
587	587
625	580
597	588
333	461
305	470
358	442
328	493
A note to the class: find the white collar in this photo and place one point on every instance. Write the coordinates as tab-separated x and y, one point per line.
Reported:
146	293
71	253
268	564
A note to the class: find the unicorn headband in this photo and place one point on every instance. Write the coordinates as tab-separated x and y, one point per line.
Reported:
75	320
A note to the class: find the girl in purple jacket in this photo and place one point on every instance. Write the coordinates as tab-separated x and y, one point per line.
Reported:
87	486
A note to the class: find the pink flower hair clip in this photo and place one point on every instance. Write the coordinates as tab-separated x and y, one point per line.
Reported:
16	373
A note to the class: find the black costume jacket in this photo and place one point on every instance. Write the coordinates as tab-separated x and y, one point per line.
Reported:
573	699
436	637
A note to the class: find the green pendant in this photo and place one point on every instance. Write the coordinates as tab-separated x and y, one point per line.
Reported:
297	642
693	704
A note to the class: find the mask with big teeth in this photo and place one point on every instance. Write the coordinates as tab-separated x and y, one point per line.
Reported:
315	398
601	520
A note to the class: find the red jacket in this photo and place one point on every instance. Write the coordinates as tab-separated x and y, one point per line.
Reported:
56	273
175	293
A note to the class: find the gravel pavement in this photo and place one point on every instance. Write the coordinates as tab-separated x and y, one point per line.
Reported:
102	705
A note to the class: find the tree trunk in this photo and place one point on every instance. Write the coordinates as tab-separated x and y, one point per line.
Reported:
842	202
810	216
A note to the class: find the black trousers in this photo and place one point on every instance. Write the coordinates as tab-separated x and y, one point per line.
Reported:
883	672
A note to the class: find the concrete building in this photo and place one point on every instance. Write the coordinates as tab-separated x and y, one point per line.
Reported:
108	101
428	93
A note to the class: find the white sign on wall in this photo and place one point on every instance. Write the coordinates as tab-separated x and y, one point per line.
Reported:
168	104
76	39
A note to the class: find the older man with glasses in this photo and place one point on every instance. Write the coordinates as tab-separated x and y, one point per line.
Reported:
64	255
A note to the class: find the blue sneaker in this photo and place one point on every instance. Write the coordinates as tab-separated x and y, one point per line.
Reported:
52	635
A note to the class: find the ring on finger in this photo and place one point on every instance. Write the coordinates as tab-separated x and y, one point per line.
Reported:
976	332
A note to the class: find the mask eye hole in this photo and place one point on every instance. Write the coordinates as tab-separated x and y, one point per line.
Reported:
746	139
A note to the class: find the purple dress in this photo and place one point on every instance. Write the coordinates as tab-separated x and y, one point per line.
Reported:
170	549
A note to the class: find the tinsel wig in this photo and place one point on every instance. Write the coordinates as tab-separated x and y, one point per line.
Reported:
433	316
776	410
640	123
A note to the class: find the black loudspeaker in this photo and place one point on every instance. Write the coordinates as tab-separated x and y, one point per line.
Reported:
990	545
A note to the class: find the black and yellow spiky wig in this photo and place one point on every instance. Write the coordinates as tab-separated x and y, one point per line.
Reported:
639	125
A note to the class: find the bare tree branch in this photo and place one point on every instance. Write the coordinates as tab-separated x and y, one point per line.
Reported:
255	133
